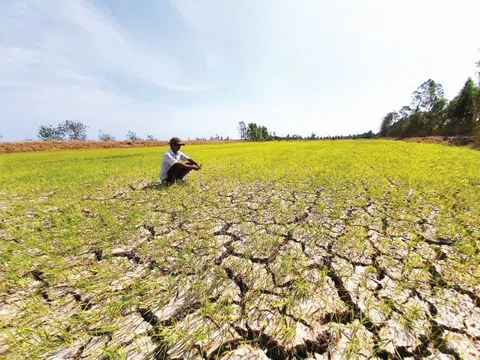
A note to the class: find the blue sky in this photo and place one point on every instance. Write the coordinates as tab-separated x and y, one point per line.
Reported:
196	68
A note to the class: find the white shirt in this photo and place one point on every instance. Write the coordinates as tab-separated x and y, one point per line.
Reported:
169	159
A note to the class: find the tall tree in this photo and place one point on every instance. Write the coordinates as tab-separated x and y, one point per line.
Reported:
252	132
478	72
405	111
426	96
436	118
425	116
387	122
131	136
264	135
73	130
461	111
49	132
477	103
256	132
242	129
102	136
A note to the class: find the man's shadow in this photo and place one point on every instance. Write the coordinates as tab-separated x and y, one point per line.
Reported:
154	186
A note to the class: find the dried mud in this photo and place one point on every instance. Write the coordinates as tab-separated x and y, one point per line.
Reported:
256	272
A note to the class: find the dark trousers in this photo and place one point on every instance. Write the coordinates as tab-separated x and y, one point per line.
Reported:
177	173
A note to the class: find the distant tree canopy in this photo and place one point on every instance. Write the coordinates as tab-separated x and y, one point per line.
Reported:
430	113
461	112
74	130
67	130
242	130
254	132
132	136
102	136
257	132
49	133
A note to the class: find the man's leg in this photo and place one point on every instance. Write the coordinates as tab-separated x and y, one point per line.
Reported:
183	172
177	173
172	174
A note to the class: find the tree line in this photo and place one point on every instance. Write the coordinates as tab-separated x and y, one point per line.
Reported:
255	132
76	130
66	130
430	113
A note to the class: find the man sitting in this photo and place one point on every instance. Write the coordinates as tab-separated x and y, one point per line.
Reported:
172	169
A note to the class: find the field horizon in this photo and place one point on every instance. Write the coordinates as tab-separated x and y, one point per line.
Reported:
53	145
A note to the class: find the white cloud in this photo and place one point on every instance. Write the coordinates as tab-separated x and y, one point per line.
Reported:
75	37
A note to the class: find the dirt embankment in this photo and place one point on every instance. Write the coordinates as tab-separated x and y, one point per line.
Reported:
447	140
26	146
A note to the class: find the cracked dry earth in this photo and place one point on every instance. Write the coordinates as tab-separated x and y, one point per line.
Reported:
258	271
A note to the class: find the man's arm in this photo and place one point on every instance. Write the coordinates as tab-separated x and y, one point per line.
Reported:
190	167
186	158
193	162
171	161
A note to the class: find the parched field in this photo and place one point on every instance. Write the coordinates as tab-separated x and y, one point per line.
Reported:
320	250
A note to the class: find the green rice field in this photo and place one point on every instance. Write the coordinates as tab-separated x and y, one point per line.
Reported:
355	249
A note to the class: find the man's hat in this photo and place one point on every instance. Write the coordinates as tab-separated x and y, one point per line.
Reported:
176	141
